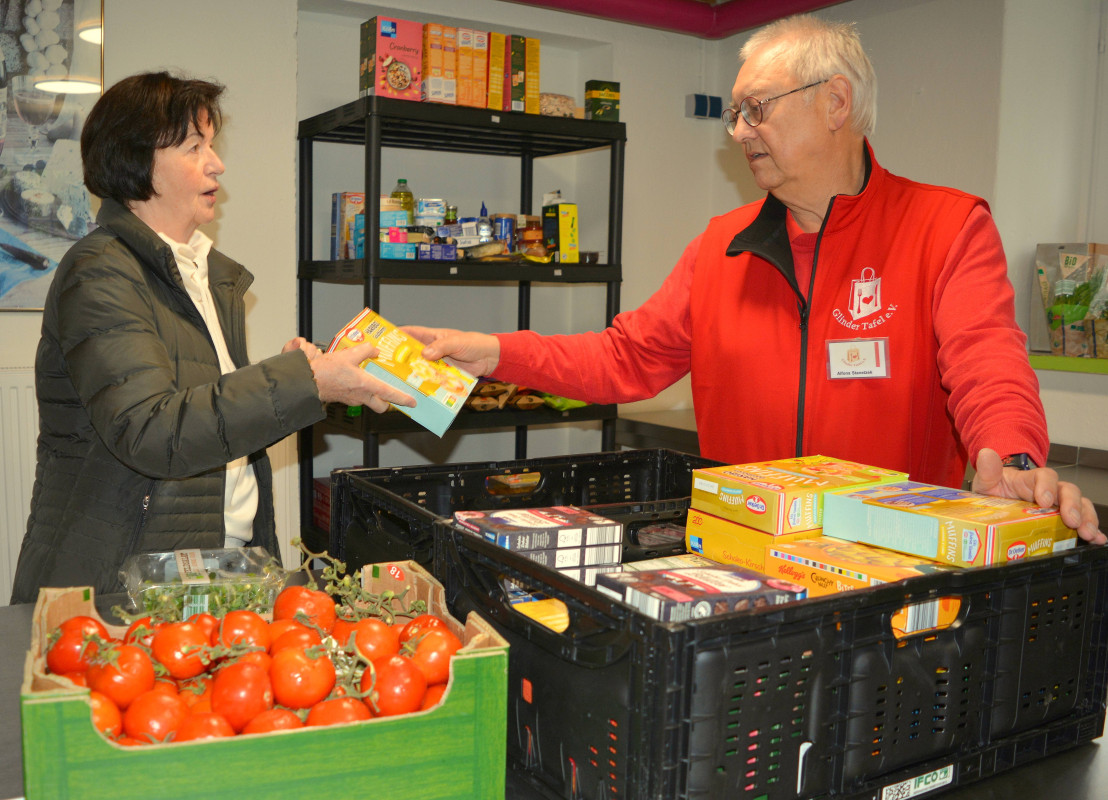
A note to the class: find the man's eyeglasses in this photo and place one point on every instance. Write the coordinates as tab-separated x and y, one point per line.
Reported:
751	109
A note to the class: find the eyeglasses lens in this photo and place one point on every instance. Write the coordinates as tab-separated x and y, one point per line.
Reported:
751	109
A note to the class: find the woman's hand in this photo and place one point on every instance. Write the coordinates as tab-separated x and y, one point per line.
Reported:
341	379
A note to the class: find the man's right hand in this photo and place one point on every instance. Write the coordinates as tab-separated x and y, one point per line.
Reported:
340	379
476	353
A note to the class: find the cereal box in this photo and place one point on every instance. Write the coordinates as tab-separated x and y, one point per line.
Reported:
951	526
531	66
731	543
480	91
781	496
676	595
499	72
392	58
517	68
439	389
559	231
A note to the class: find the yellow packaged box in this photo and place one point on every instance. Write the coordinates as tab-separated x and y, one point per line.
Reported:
731	543
440	389
951	526
827	565
781	496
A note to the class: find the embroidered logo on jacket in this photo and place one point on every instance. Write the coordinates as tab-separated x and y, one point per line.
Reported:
864	301
865	294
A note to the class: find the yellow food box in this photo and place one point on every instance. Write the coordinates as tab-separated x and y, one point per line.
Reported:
780	496
731	543
951	526
440	389
827	565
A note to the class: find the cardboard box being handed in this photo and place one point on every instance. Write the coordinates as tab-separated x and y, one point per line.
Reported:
439	389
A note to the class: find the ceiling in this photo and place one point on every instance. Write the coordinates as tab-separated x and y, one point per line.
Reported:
707	19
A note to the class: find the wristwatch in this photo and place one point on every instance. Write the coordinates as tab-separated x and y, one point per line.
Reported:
1019	461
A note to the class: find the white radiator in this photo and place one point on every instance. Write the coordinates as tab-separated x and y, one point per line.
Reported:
18	434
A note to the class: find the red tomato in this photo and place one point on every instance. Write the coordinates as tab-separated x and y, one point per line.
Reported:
315	604
433	650
70	652
279	626
297	638
127	674
418	624
203	725
106	716
131	741
182	648
79	678
241	691
154	716
342	630
244	627
275	719
433	696
394	685
142	631
209	623
259	657
300	679
197	693
374	638
167	685
337	711
89	625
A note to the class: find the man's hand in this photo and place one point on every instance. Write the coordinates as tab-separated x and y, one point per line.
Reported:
476	353
340	379
1041	486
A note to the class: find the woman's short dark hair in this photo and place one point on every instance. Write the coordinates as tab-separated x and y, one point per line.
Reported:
133	119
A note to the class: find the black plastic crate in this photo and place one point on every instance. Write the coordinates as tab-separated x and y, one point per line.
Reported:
388	514
817	699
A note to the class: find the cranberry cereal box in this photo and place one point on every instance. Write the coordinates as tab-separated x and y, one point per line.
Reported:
439	389
950	526
731	543
391	58
781	496
676	595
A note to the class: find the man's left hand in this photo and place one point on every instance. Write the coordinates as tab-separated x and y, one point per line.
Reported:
1041	486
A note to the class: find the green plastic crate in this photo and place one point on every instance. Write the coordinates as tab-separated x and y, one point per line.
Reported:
455	750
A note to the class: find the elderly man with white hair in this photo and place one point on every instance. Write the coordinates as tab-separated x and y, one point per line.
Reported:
850	312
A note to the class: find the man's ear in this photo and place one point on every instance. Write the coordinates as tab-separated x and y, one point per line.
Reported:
840	102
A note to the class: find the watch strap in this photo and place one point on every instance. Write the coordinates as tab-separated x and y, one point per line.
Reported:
1019	461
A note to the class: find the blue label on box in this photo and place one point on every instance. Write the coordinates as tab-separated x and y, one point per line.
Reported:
388	28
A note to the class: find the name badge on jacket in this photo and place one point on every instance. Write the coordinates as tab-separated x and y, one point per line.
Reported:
857	358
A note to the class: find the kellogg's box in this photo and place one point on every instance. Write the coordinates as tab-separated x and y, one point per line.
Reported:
950	526
781	496
439	389
391	58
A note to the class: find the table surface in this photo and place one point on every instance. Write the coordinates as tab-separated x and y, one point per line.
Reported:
1077	774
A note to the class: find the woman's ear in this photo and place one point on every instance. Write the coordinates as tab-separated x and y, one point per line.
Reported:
840	102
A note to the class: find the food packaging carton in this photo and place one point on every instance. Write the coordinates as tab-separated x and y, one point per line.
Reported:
439	84
676	595
479	92
602	100
517	68
541	528
559	231
391	58
780	496
1073	287
499	92
950	526
63	756
731	543
532	61
439	389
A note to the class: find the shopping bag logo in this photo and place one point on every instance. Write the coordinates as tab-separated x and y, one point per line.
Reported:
865	294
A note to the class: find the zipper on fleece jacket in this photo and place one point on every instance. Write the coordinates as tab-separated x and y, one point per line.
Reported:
805	307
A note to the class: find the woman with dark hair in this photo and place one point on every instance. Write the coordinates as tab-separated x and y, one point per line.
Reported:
153	423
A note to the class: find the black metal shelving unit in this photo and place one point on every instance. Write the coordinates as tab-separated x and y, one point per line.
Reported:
375	123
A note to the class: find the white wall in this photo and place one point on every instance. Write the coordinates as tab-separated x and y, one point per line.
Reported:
992	96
